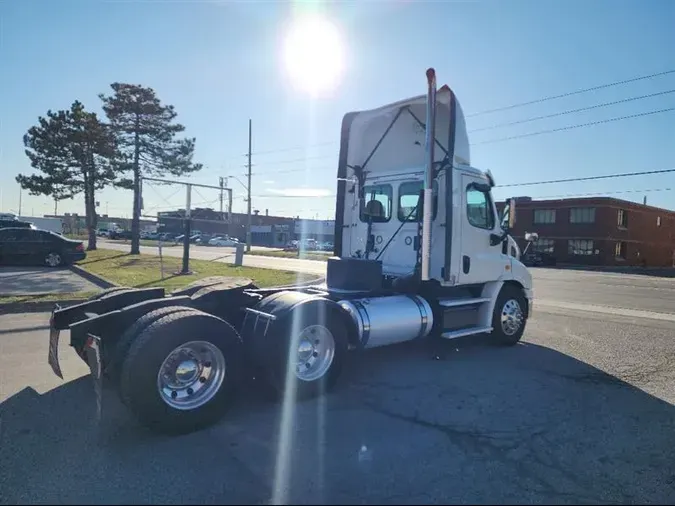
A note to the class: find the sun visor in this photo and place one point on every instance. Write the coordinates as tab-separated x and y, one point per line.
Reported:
392	137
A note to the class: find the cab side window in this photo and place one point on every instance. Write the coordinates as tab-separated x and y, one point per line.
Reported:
376	203
479	208
408	198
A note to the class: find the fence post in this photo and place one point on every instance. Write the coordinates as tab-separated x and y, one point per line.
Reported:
239	254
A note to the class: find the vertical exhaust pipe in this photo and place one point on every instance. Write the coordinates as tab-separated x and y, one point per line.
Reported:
429	174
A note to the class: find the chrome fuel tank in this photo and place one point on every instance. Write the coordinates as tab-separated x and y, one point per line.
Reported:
388	320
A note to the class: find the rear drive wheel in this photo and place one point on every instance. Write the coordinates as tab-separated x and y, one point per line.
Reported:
509	316
312	351
53	259
182	372
121	348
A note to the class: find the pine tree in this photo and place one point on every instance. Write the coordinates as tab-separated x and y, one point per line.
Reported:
145	134
73	151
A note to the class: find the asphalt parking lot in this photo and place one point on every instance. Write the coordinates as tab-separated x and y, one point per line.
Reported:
581	412
42	280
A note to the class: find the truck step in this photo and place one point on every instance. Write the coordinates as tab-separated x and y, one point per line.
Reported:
454	334
462	302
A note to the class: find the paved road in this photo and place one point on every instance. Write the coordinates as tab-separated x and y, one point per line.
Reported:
637	292
39	280
581	412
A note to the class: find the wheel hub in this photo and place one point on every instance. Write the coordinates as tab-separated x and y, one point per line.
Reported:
315	353
512	317
187	371
191	375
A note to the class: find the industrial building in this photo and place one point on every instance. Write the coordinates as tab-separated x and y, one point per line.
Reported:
266	230
598	231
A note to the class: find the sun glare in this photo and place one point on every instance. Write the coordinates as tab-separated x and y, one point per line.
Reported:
313	55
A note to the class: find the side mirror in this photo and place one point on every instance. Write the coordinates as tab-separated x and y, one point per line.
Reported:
512	214
509	215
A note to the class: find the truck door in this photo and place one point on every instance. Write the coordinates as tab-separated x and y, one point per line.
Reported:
396	231
479	261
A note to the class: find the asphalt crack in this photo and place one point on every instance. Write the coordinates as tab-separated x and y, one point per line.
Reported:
501	446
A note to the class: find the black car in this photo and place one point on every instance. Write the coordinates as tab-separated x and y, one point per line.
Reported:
14	223
38	247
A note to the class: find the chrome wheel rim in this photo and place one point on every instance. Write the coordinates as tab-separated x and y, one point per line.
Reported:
191	375
512	317
53	259
315	353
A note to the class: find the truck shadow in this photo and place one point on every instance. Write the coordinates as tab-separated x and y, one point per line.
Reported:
415	423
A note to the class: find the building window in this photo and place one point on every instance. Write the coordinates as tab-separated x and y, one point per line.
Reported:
658	221
408	197
622	218
580	247
582	215
620	250
479	208
542	216
544	245
376	204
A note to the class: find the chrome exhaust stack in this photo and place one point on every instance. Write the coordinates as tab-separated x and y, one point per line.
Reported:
427	210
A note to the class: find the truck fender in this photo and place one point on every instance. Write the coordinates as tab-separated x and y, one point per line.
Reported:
276	311
111	325
66	317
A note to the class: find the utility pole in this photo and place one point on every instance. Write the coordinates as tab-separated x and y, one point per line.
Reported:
248	223
221	182
186	232
20	192
56	203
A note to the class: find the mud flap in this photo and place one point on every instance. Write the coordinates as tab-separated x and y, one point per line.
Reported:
93	351
54	333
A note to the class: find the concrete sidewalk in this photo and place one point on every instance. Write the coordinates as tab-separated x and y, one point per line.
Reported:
42	280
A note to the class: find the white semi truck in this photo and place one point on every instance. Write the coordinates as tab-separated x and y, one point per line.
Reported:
420	253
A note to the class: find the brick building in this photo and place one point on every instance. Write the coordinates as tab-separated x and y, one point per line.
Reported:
598	231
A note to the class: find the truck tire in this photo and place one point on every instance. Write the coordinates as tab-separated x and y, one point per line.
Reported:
312	347
182	372
509	316
121	348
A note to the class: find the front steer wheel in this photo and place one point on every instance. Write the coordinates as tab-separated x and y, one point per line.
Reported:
509	316
181	372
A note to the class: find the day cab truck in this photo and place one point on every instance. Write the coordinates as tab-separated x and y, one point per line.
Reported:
420	253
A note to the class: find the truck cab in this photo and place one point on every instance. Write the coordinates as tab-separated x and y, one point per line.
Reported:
379	203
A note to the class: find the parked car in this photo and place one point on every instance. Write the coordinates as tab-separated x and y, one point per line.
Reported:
38	247
120	234
15	224
223	241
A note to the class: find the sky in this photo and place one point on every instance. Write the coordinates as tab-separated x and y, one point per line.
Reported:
221	63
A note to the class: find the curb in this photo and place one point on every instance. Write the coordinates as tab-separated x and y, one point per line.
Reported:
36	307
97	280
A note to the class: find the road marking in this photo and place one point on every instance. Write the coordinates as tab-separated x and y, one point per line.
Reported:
635	313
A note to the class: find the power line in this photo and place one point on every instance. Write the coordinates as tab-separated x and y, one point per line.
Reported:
588	178
504	108
572	111
513	137
284	150
568	94
572	127
521	136
568	195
